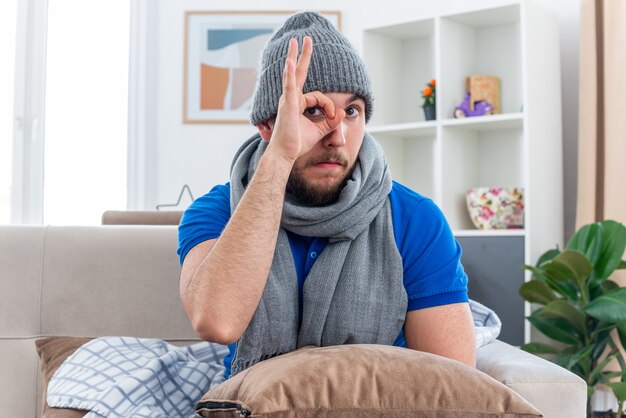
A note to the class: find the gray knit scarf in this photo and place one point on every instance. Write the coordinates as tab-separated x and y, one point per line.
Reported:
354	294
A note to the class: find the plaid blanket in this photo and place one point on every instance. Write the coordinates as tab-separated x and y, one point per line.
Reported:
486	323
135	377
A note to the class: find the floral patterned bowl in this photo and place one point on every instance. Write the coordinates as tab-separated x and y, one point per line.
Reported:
496	207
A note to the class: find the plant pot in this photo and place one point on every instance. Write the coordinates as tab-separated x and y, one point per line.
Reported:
430	112
607	414
595	413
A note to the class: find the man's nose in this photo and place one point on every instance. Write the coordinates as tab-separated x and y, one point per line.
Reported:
336	137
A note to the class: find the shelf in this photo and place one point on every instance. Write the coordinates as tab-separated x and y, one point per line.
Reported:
489	233
410	153
486	42
517	42
411	48
406	129
406	31
504	15
488	122
477	123
477	158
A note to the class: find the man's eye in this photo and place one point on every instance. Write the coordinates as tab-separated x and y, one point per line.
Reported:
352	111
314	111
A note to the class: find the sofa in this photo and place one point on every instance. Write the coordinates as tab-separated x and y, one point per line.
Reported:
123	280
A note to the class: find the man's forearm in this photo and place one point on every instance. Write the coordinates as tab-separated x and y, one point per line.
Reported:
225	290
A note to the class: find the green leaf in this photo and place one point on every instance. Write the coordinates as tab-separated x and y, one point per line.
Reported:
557	329
622	265
562	288
589	240
579	357
595	373
602	327
535	291
598	289
621	333
606	377
619	389
618	356
613	249
537	273
610	307
603	243
539	348
569	265
548	255
567	289
609	285
563	309
600	344
564	357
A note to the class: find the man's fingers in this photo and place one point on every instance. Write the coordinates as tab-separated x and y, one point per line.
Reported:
288	79
289	74
302	68
332	124
292	52
319	99
333	116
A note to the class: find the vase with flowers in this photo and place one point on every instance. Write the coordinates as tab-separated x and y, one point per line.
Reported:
430	100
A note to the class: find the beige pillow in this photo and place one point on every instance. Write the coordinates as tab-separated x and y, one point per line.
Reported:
363	381
52	352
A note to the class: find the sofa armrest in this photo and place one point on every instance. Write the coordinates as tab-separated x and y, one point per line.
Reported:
553	390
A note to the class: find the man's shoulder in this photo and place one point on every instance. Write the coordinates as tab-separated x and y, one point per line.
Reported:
217	199
402	195
219	191
411	207
223	189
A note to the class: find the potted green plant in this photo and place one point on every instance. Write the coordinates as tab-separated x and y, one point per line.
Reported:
580	306
430	100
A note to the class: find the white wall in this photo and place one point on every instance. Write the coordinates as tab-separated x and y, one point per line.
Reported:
200	155
568	13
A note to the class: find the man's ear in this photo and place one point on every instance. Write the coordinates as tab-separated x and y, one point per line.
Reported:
265	129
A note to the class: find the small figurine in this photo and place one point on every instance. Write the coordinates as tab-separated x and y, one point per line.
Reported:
481	107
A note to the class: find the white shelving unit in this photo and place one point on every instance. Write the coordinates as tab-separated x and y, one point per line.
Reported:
519	147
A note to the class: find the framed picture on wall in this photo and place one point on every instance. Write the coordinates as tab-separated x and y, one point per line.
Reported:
222	53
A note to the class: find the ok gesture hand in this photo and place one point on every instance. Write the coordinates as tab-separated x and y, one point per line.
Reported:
294	133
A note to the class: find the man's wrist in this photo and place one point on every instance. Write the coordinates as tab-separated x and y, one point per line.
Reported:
271	175
275	162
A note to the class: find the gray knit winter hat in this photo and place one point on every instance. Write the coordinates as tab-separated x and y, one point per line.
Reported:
335	65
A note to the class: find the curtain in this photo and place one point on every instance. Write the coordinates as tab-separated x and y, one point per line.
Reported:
602	128
602	114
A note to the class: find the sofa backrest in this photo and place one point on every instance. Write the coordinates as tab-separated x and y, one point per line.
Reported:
81	281
141	217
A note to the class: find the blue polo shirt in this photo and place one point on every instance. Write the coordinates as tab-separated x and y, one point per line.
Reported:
433	274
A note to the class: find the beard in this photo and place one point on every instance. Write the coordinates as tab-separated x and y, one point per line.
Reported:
310	194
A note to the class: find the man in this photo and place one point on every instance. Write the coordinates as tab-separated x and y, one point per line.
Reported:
312	243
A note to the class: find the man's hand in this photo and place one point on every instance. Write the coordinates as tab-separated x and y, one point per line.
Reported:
294	133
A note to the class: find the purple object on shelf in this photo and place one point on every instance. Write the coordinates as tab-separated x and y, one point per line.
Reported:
481	107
